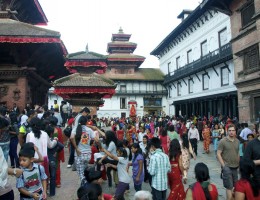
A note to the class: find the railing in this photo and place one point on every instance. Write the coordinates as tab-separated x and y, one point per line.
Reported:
216	57
158	92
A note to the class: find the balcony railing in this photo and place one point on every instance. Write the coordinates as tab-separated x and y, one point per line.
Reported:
142	92
214	58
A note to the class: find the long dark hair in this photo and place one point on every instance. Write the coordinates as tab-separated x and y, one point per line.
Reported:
82	121
139	150
164	132
247	168
202	174
175	149
110	137
36	126
185	141
122	151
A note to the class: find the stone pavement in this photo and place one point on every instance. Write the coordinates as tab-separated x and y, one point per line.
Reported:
70	181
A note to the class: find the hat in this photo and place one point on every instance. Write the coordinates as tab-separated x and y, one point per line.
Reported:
85	110
27	150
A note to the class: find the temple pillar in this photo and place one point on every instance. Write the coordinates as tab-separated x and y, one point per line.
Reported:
201	108
210	107
234	106
221	106
193	108
186	110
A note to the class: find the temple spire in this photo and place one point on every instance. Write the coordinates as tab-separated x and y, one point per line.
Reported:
120	31
87	48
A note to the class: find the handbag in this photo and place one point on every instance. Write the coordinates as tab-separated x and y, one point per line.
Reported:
59	146
67	131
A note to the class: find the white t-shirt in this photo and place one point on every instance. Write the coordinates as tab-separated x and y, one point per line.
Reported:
87	135
112	149
123	176
140	136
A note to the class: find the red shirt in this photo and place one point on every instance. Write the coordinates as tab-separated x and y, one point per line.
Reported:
70	121
93	150
120	134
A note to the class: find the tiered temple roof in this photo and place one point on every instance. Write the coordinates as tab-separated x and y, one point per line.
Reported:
121	52
86	62
83	89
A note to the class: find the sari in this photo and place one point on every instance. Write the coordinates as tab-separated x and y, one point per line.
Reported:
175	181
206	137
198	192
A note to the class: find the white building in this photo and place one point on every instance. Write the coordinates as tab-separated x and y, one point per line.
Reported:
196	58
142	86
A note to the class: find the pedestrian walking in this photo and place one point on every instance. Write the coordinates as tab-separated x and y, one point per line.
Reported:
158	168
228	156
194	138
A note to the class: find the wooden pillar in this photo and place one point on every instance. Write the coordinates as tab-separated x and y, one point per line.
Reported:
210	107
201	108
221	106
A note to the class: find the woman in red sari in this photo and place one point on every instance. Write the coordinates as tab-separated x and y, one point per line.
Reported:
202	189
246	187
206	138
165	141
175	176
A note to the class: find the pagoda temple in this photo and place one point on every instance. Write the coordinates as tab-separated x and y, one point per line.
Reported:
139	91
31	57
86	86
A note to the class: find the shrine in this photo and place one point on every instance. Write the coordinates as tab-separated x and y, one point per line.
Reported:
85	86
31	56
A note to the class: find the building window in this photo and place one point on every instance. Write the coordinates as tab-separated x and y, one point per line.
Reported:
123	103
149	102
189	56
205	81
191	85
257	109
123	88
169	67
224	76
204	48
178	89
222	37
178	64
251	58
247	12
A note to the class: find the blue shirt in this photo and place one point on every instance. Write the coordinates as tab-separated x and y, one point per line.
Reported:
31	180
158	168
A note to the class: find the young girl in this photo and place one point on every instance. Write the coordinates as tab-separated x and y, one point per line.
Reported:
186	151
111	143
83	148
215	137
138	169
60	157
148	133
124	178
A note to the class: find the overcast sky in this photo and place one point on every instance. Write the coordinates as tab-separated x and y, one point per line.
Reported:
92	22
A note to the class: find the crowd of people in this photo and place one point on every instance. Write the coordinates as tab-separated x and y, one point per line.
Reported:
157	150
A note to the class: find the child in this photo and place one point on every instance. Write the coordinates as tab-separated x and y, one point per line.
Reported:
32	183
52	157
93	151
215	137
124	178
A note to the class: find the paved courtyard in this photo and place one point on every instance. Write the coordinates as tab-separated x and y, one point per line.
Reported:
70	180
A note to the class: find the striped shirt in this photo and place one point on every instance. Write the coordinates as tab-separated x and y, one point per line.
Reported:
158	168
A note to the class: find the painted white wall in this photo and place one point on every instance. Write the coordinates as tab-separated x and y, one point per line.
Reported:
208	31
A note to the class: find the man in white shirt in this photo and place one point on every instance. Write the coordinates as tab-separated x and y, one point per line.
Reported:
141	134
245	132
194	137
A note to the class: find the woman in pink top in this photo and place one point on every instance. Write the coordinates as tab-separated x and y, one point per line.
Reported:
41	140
